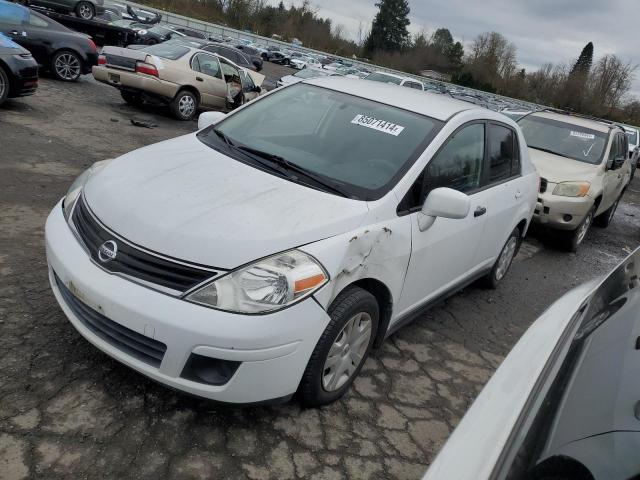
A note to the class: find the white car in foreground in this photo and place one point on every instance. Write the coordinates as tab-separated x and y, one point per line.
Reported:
269	252
565	403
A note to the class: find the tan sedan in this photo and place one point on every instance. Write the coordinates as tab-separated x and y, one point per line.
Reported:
182	77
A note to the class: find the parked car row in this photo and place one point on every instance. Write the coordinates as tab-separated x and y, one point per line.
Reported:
18	70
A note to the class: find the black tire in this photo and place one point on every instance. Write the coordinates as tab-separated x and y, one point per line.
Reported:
85	10
345	307
265	57
133	99
605	218
4	85
176	105
507	254
574	238
151	41
70	58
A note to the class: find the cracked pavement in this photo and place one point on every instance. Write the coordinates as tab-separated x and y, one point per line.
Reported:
69	411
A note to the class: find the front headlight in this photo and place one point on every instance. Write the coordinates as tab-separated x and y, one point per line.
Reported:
76	187
266	285
571	189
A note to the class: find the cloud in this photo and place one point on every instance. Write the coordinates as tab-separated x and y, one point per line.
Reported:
542	30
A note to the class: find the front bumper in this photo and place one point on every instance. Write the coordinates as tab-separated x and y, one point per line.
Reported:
273	349
126	80
563	213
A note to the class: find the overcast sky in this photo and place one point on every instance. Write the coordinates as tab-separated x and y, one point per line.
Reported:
542	30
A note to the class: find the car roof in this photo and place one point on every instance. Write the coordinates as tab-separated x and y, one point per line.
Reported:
600	126
433	105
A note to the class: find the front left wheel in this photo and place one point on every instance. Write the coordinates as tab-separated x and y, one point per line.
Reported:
504	260
66	66
342	348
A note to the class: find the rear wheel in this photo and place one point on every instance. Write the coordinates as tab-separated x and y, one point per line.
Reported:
184	105
504	260
575	238
66	65
85	10
151	41
342	348
605	218
4	85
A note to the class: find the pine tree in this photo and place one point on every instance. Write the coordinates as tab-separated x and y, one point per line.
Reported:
389	29
583	64
442	40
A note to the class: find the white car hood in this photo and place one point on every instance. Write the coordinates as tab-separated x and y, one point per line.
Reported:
556	168
188	201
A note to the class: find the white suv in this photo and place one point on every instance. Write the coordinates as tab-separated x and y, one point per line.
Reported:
270	251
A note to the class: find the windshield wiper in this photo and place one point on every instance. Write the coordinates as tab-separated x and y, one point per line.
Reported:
229	143
283	162
547	150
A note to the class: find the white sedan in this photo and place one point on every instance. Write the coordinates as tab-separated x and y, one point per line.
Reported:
269	252
305	62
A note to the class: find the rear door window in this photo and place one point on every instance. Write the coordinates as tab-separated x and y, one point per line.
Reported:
502	153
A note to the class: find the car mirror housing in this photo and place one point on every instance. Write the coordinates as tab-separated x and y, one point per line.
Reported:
445	203
209	118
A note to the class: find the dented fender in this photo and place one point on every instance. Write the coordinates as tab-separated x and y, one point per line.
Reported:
378	251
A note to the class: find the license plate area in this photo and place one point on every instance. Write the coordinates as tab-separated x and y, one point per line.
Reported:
114	78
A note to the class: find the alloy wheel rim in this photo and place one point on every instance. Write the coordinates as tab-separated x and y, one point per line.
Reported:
186	106
584	228
67	66
347	352
3	86
508	252
85	11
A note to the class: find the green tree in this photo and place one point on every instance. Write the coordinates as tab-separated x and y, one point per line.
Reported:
584	62
389	29
442	40
454	54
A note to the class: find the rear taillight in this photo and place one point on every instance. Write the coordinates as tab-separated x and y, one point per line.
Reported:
147	69
92	45
102	60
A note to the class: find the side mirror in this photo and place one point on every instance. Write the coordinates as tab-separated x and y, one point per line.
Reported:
209	118
445	203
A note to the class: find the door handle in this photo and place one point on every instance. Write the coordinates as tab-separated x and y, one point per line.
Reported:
518	194
14	32
199	79
480	211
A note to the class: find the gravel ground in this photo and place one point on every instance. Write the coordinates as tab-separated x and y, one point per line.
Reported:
69	411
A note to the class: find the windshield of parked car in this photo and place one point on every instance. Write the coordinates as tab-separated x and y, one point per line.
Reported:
168	51
382	77
564	139
359	145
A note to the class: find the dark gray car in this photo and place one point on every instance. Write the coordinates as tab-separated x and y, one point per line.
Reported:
85	9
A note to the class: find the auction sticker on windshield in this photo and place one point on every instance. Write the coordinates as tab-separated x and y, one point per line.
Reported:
587	136
377	124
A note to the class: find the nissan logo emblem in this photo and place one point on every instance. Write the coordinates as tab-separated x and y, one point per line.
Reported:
107	251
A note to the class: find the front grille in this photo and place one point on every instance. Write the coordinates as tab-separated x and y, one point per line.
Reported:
123	63
543	185
143	348
132	261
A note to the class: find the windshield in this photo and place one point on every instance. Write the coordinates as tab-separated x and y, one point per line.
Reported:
564	139
168	51
361	146
383	77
